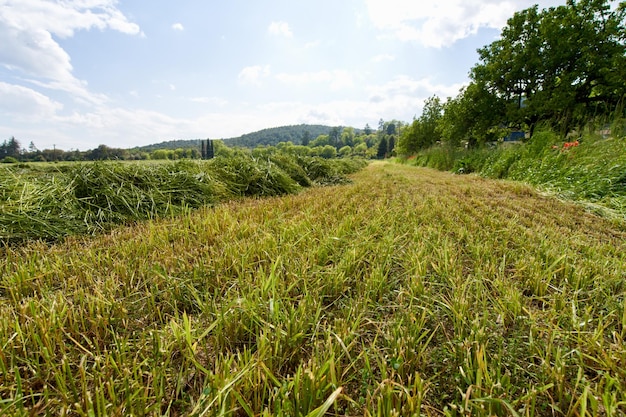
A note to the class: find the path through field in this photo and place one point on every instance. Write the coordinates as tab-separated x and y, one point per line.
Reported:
408	291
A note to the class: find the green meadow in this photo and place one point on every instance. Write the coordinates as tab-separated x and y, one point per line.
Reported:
405	292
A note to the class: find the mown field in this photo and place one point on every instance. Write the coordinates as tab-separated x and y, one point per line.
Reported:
407	292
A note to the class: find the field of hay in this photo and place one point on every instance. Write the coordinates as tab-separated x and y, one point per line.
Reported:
405	292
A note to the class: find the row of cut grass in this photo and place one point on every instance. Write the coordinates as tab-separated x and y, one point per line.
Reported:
38	202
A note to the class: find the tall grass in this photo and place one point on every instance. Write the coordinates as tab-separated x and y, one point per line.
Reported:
594	171
52	202
406	292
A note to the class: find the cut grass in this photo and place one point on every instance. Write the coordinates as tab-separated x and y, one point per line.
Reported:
406	292
49	202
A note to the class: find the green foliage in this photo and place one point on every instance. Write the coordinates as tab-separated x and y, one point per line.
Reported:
9	160
437	157
565	64
381	152
591	171
423	132
344	151
273	136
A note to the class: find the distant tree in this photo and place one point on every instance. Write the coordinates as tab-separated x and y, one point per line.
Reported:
328	152
321	140
333	136
472	116
347	137
423	132
102	152
10	148
360	149
160	154
208	149
367	130
382	148
391	144
345	151
306	138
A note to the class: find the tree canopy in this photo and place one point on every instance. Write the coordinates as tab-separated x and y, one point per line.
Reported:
562	64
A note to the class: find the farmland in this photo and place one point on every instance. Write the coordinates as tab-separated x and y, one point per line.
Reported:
406	291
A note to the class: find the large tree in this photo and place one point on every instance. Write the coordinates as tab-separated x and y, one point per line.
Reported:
423	132
562	64
10	148
472	116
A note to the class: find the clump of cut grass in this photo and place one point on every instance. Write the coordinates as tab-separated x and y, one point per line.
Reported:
328	172
247	176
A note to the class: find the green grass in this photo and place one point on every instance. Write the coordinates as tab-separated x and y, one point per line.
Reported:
593	172
406	292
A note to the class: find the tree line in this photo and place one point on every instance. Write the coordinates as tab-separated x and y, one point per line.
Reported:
563	67
11	151
338	142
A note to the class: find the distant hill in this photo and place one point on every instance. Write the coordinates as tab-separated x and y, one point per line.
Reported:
271	136
274	135
170	144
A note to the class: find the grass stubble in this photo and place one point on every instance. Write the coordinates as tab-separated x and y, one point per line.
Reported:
407	292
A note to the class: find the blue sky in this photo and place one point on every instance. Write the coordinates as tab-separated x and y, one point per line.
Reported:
78	73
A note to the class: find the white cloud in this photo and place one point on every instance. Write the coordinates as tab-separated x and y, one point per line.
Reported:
312	44
25	104
406	86
383	57
252	75
336	80
217	101
27	44
280	29
439	24
178	27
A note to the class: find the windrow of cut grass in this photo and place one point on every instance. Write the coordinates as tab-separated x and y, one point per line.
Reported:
407	292
592	171
39	202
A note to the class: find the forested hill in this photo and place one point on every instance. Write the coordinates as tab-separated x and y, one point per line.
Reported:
171	144
274	135
270	136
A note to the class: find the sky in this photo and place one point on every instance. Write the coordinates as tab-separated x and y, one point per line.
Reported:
75	74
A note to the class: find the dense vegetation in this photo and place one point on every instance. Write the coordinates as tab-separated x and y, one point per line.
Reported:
407	292
52	201
334	141
591	169
562	67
